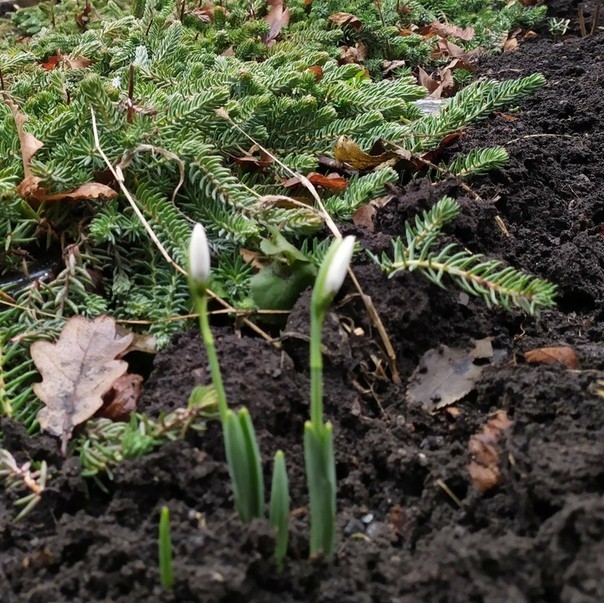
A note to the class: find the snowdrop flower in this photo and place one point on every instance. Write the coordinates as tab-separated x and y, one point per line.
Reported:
333	271
199	257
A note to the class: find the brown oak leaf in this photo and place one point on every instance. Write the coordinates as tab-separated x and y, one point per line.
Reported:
76	372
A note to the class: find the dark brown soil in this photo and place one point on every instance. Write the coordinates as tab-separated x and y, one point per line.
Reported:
412	526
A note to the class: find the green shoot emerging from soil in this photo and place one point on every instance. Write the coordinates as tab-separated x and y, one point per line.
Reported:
166	573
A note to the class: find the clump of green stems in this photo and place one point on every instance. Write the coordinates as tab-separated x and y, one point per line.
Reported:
241	447
166	573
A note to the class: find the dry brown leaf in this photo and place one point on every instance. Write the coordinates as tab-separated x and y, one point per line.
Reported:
204	13
331	182
31	190
341	19
253	258
447	48
29	143
364	217
425	80
120	401
353	54
349	152
55	60
365	214
76	372
444	29
555	355
445	375
510	45
484	447
277	18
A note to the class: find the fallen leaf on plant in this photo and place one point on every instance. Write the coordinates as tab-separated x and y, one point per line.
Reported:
331	182
446	29
445	375
349	152
278	17
341	19
120	401
29	143
76	372
204	13
555	355
31	190
353	54
484	447
55	60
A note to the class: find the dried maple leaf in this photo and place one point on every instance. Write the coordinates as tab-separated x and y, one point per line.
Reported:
76	372
484	447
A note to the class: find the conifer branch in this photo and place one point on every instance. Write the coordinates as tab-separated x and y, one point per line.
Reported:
489	279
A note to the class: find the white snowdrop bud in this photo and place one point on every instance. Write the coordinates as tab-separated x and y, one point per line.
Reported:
333	272
199	257
338	266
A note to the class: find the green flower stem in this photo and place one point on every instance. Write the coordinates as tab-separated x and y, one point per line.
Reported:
201	305
317	318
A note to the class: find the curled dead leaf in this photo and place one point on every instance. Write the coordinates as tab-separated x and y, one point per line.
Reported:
349	152
31	190
555	355
120	401
78	62
341	19
29	143
277	18
484	468
76	372
447	29
364	217
353	54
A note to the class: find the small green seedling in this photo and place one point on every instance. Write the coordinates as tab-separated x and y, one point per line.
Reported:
318	436
166	574
241	448
279	507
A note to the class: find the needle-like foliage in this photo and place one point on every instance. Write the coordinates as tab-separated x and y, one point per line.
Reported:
491	280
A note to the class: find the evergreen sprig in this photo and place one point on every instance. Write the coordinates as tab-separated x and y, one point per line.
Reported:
489	279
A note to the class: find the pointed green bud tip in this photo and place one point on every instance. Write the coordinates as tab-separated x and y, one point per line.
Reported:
199	256
338	265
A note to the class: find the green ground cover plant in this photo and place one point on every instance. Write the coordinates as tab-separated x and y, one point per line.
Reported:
124	124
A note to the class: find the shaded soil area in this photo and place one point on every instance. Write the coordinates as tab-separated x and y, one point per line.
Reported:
412	525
